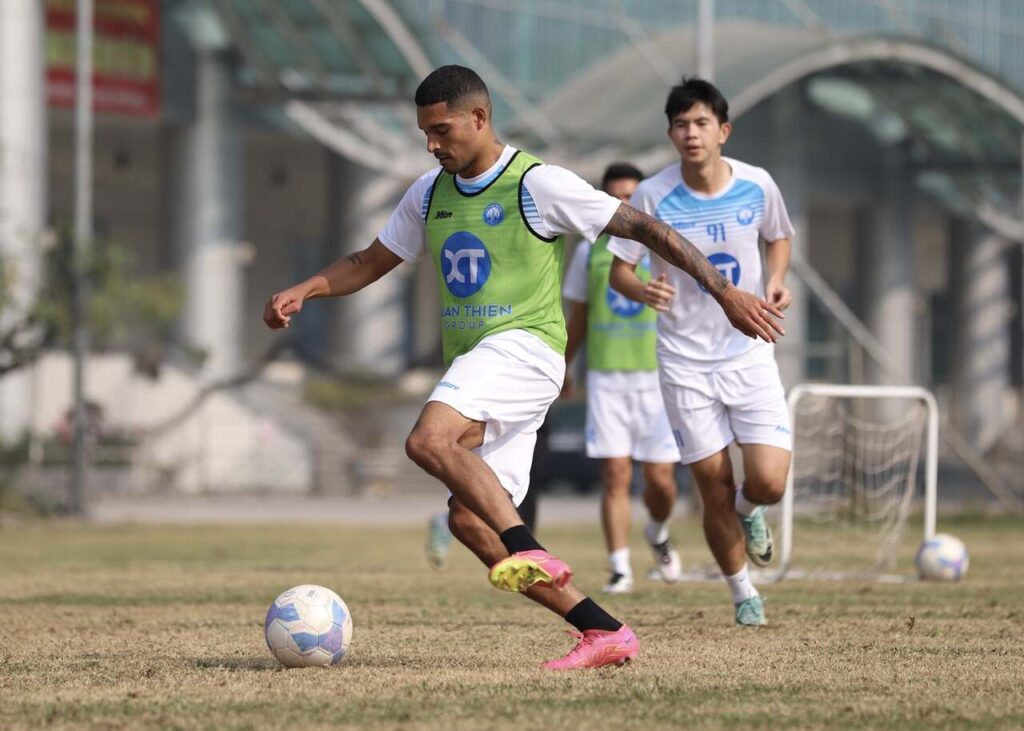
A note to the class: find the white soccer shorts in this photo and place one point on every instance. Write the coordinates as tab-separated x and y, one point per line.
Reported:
511	397
629	424
747	405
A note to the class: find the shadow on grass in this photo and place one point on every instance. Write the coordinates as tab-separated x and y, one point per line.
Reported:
237	664
69	599
256	665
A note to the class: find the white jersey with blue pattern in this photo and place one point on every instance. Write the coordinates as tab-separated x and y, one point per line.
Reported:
695	335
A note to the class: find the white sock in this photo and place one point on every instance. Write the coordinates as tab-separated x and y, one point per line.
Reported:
619	562
743	506
656	532
741	586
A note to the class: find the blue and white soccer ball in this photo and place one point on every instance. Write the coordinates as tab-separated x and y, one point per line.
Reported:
308	625
942	558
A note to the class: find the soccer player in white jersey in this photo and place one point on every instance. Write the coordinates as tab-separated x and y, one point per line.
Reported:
719	385
625	415
492	218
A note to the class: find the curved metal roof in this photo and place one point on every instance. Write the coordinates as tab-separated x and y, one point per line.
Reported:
346	72
962	126
323	48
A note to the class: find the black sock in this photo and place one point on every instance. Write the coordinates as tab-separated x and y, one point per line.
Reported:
588	615
519	538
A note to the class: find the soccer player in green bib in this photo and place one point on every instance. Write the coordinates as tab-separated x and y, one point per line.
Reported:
626	419
492	220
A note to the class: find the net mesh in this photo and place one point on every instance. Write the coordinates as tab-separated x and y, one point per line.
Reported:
855	464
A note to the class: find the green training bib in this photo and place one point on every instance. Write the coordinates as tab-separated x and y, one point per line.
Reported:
621	333
495	272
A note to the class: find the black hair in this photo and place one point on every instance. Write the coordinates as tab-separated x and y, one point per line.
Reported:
450	84
696	91
621	171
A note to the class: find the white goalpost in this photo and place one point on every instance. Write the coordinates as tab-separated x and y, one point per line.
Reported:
857	450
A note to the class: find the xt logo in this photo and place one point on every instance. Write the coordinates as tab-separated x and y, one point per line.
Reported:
473	255
465	264
727	265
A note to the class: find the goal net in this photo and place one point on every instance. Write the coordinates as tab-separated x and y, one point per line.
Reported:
855	473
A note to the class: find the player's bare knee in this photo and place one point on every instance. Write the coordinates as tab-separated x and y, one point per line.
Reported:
424	447
719	503
616	475
764	491
662	483
717	495
617	487
414	446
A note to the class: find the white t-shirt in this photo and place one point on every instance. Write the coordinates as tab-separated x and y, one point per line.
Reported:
554	200
575	289
577	274
695	334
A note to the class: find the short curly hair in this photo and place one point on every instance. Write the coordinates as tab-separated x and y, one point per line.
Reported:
450	84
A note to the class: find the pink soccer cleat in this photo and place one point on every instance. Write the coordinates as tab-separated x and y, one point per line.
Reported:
597	648
522	570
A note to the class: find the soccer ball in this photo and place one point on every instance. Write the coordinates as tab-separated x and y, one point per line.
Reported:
308	625
942	558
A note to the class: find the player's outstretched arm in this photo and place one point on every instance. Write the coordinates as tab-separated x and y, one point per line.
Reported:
345	276
749	314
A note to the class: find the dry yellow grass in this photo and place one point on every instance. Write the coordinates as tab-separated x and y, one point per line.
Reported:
142	627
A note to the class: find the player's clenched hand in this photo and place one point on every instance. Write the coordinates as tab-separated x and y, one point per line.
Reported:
278	311
778	294
658	293
752	315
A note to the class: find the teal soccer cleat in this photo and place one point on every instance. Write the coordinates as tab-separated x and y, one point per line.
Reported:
439	541
750	613
759	537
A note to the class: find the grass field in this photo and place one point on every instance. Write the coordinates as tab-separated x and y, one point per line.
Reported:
142	627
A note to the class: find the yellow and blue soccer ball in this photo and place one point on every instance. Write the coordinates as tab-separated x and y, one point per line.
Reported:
308	625
942	558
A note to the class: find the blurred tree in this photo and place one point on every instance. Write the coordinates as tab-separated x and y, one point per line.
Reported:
126	311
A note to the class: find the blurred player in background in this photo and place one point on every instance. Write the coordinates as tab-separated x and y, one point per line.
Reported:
492	220
625	415
719	386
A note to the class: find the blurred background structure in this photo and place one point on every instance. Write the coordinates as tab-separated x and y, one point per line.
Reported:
242	144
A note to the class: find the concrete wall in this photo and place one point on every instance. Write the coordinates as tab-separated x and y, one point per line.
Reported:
220	446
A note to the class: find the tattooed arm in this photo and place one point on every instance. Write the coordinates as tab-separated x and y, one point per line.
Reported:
749	314
345	276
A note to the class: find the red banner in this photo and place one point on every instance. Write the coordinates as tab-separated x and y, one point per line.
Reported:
126	56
